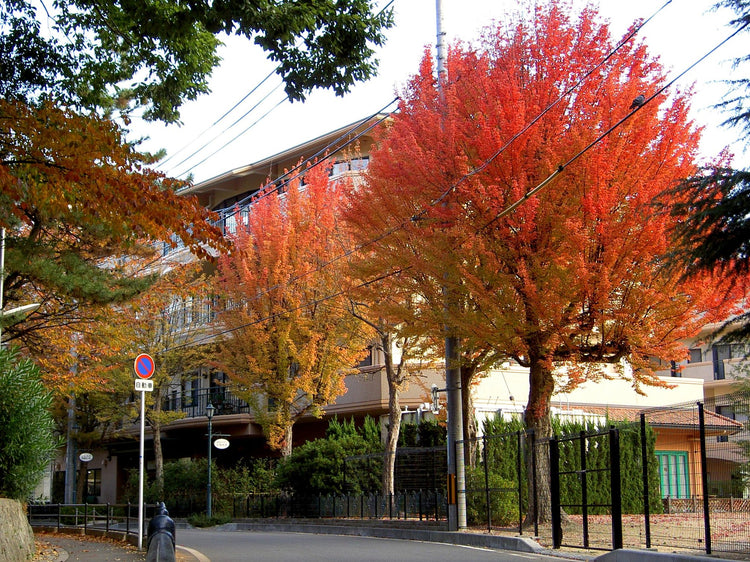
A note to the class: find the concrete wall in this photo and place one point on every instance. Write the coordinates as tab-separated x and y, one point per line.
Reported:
508	389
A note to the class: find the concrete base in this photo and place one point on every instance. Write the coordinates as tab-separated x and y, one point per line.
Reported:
628	555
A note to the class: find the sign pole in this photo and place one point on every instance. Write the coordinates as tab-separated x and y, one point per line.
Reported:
144	369
140	476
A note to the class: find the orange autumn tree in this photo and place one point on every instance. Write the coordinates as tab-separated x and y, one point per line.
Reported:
80	207
91	369
290	339
170	321
570	281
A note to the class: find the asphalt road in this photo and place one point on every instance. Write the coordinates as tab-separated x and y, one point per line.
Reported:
234	546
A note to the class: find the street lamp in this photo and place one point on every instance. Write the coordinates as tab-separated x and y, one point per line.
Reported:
210	414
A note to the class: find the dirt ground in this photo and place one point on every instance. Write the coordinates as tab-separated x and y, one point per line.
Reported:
730	534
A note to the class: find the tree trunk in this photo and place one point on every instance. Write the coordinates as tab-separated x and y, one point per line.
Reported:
393	376
158	460
469	429
156	430
537	419
286	446
81	480
391	441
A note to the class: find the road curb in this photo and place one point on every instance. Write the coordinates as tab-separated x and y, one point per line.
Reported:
501	542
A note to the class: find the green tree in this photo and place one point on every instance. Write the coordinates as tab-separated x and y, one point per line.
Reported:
27	442
155	54
714	226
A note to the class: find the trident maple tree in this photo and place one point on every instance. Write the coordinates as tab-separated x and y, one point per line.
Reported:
290	338
570	280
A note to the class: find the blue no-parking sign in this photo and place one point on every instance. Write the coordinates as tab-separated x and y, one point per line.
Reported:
144	366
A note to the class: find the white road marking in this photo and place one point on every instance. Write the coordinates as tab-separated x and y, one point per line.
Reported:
200	556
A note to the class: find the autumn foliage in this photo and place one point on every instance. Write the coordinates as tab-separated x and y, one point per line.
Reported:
81	208
289	338
572	278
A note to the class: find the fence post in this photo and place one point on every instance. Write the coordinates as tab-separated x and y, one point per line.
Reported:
584	490
554	472
533	482
646	495
704	477
519	448
615	487
58	517
107	518
487	484
127	520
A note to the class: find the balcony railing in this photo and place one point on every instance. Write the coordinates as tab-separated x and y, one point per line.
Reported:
194	402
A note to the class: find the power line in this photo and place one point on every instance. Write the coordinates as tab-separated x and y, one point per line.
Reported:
220	119
561	168
226	113
301	167
223	146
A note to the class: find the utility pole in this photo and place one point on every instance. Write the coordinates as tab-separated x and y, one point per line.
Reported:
456	476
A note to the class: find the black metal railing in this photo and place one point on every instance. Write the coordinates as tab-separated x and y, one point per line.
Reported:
413	505
106	517
194	402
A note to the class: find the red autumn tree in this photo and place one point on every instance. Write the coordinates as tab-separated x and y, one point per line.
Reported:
290	338
571	279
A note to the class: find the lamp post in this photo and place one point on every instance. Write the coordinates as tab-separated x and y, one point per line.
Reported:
209	414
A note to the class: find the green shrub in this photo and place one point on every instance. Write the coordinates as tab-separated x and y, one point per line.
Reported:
201	520
427	433
502	453
27	442
318	467
503	499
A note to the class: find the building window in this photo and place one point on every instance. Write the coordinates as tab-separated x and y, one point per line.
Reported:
673	474
367	360
696	355
674	369
93	485
720	353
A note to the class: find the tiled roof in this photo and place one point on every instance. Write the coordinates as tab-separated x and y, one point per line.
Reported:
677	417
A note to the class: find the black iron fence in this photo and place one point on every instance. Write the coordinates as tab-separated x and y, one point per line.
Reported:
193	403
89	516
414	505
678	477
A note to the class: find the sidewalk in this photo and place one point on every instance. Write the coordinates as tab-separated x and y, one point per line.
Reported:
61	547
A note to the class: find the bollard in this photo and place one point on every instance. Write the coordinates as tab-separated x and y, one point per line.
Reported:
161	535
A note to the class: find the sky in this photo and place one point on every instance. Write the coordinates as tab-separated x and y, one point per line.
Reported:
680	34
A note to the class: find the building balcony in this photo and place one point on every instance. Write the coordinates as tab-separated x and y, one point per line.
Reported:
194	402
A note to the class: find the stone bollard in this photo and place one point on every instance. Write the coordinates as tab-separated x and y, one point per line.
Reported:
161	533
